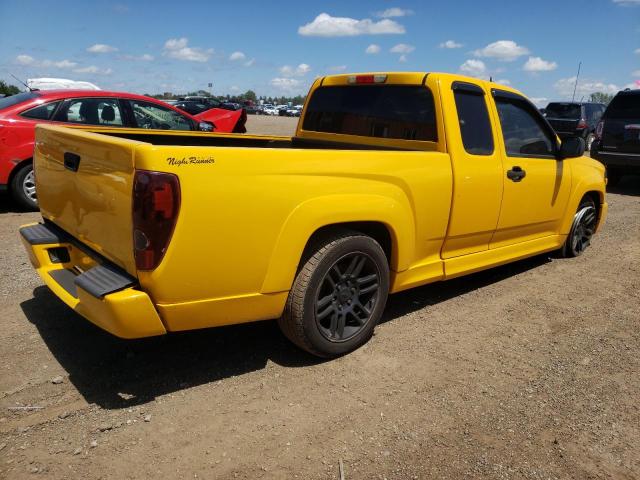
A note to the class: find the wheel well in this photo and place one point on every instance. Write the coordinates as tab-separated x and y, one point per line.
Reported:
16	169
597	199
376	230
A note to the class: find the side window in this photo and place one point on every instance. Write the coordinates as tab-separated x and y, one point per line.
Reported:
473	118
522	129
91	111
150	115
41	112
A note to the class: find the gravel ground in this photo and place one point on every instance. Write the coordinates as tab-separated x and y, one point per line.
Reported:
531	370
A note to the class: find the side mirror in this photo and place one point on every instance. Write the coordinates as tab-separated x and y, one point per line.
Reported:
206	126
571	147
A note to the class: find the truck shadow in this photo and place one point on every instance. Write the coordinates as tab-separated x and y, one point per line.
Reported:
115	373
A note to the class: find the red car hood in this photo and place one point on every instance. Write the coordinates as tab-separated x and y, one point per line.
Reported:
224	120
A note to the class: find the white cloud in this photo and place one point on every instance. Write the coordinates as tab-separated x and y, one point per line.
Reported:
636	74
337	68
287	85
403	58
299	71
474	68
249	63
324	25
235	88
394	12
25	60
585	87
503	81
402	48
373	49
237	56
539	101
92	69
503	50
101	48
178	48
537	64
144	57
627	3
450	44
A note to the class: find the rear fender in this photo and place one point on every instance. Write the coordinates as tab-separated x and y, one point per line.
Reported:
320	212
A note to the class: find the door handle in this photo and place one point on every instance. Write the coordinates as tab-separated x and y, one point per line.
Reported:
516	174
71	161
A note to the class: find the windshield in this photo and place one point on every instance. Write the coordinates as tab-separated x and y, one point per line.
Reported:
625	106
7	102
563	110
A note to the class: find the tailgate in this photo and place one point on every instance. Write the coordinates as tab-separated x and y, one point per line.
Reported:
84	183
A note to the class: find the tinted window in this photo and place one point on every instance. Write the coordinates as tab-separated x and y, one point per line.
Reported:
41	112
625	106
91	111
150	115
522	129
385	111
475	126
16	99
563	110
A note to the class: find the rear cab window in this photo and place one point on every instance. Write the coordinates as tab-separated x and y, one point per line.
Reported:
402	112
625	106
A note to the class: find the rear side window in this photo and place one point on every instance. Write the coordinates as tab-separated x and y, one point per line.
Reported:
522	129
41	112
563	110
625	106
150	115
382	111
12	100
473	118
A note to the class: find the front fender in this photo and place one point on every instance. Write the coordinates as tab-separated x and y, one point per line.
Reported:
588	176
319	212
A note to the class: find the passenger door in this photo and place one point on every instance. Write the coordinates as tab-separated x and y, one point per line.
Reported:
536	183
477	170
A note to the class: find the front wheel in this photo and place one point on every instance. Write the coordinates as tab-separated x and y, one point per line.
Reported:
338	296
23	188
582	229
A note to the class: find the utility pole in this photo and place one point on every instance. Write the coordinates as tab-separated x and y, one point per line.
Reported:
576	84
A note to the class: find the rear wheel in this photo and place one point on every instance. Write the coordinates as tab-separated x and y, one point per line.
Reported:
582	229
23	188
338	296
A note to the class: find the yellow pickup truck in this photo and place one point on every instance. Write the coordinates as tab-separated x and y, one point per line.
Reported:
392	180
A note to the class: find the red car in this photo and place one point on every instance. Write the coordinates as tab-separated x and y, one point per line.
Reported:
20	113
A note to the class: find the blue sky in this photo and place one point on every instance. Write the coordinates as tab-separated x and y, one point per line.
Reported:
279	47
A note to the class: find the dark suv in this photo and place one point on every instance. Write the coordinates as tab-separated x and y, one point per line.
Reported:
575	119
617	142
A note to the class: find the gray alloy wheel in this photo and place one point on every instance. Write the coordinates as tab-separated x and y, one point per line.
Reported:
29	186
582	229
23	188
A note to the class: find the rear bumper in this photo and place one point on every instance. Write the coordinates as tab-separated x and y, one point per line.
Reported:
622	161
101	292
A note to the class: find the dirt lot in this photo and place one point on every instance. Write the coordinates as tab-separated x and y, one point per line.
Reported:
531	370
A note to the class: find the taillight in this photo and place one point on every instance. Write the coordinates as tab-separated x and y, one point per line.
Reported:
582	123
599	129
156	203
364	79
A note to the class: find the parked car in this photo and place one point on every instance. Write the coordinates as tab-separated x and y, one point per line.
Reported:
617	143
282	110
575	119
294	111
20	113
253	109
270	110
370	197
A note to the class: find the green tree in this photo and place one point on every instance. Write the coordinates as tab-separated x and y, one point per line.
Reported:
7	89
250	95
600	97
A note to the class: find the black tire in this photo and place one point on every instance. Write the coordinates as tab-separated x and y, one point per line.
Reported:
582	229
337	278
23	188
